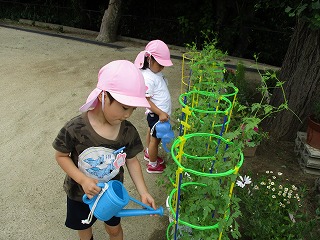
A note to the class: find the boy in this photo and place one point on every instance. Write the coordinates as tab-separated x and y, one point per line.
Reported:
94	146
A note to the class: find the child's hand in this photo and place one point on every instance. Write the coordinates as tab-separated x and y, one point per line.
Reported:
147	199
163	117
90	187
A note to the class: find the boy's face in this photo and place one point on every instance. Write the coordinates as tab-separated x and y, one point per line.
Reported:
116	112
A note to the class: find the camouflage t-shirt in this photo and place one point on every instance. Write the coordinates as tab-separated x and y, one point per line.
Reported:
94	155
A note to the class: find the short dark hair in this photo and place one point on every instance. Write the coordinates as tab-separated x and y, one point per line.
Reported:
111	99
146	63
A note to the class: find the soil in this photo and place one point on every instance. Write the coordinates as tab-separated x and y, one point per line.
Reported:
45	78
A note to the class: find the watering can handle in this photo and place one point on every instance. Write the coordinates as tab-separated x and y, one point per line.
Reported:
139	212
101	184
85	198
141	203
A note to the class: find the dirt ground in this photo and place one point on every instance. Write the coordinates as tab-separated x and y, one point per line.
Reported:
44	80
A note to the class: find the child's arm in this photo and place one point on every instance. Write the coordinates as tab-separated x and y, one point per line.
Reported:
135	172
163	116
88	184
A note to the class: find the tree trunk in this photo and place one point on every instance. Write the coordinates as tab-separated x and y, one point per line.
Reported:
110	22
301	73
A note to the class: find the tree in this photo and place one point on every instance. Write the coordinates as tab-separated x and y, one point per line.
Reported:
301	73
110	22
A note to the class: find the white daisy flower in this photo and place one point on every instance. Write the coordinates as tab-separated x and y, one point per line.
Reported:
246	180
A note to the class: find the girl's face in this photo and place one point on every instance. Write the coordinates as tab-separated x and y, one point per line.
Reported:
116	112
155	66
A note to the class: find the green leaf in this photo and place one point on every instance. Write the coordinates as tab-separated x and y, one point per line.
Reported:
302	8
288	9
315	5
268	109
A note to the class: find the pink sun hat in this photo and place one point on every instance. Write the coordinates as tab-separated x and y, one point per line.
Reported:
159	50
123	81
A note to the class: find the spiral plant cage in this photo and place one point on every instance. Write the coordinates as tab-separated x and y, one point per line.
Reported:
207	163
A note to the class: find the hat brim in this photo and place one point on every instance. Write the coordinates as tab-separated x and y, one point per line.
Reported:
162	62
130	100
92	100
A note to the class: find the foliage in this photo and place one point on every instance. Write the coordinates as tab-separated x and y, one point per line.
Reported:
241	29
249	113
249	110
248	93
73	13
208	200
307	10
272	208
206	88
205	202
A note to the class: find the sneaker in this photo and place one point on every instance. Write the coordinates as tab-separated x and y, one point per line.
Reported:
146	157
157	169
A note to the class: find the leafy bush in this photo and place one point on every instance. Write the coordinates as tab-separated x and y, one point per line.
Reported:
272	208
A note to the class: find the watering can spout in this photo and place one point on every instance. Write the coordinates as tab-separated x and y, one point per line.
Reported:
139	212
164	131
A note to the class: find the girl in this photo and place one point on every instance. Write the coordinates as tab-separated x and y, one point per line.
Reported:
151	61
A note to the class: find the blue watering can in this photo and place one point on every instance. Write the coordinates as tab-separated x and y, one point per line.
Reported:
111	201
164	131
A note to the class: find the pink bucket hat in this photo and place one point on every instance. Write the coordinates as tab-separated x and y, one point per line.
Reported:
159	50
123	81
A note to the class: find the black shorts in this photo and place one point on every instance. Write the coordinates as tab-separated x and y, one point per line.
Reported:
152	119
78	211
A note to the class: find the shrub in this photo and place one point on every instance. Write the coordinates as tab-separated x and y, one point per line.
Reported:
272	208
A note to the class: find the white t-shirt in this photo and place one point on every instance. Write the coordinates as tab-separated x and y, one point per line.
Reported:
157	90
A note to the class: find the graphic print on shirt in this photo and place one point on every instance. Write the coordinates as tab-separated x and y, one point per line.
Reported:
101	163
